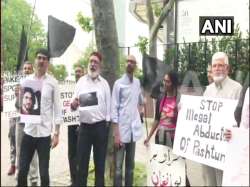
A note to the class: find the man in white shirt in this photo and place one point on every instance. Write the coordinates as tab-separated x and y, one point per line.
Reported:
222	87
33	173
126	100
37	136
92	96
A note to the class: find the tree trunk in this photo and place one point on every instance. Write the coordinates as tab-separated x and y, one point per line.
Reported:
162	17
106	37
153	42
107	44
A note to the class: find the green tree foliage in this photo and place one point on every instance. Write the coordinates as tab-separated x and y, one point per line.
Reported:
84	60
196	56
142	44
85	22
58	71
15	14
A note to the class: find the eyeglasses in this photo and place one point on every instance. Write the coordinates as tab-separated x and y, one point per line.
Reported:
42	57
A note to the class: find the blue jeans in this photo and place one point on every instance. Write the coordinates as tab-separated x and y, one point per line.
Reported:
129	150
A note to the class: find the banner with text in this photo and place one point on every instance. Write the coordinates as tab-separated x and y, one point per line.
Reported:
236	171
66	94
164	167
9	98
200	129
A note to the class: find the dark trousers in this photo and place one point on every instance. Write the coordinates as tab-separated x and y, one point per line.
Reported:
12	138
127	149
28	146
72	148
95	135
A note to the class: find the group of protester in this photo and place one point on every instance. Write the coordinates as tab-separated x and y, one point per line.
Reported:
98	109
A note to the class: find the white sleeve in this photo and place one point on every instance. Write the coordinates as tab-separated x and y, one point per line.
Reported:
245	112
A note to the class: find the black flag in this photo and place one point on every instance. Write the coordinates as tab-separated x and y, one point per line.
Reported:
60	36
23	51
153	73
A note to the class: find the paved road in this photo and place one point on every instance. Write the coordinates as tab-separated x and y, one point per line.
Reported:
59	169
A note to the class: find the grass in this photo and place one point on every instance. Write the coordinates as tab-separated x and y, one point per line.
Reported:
140	175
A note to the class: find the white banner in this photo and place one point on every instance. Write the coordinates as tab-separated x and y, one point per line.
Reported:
66	94
236	171
9	100
200	129
165	168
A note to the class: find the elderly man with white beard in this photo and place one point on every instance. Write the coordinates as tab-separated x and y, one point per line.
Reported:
222	87
92	96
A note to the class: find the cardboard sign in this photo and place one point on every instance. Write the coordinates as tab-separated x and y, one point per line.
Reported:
165	168
236	171
66	94
200	129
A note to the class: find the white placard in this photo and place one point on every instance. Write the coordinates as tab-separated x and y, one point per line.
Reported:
236	171
165	168
200	129
66	94
9	100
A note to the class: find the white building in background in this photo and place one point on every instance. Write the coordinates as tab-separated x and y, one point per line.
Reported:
188	12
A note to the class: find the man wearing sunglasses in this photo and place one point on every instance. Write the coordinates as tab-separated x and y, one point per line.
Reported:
37	136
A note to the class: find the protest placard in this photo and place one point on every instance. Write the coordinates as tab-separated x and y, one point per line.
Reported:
236	171
30	101
66	93
200	129
164	167
9	99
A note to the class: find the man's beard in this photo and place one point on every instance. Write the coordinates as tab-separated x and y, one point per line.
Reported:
93	74
219	78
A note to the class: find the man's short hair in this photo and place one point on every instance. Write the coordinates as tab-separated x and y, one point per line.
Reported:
97	54
220	55
28	62
44	52
78	65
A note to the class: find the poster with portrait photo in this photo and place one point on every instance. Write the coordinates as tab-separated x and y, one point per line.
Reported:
30	102
88	99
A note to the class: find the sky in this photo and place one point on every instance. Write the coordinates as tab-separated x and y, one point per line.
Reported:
66	10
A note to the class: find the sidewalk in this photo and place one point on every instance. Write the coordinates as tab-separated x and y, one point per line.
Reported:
59	168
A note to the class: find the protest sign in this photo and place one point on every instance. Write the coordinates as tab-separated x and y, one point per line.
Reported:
236	171
66	94
165	168
9	99
200	129
30	101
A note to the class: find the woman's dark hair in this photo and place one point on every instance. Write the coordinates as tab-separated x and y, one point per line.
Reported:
30	90
173	76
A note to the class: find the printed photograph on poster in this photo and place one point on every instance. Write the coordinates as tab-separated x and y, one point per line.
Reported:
30	102
88	99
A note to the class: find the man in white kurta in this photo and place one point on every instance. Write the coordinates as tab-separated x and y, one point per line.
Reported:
222	87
